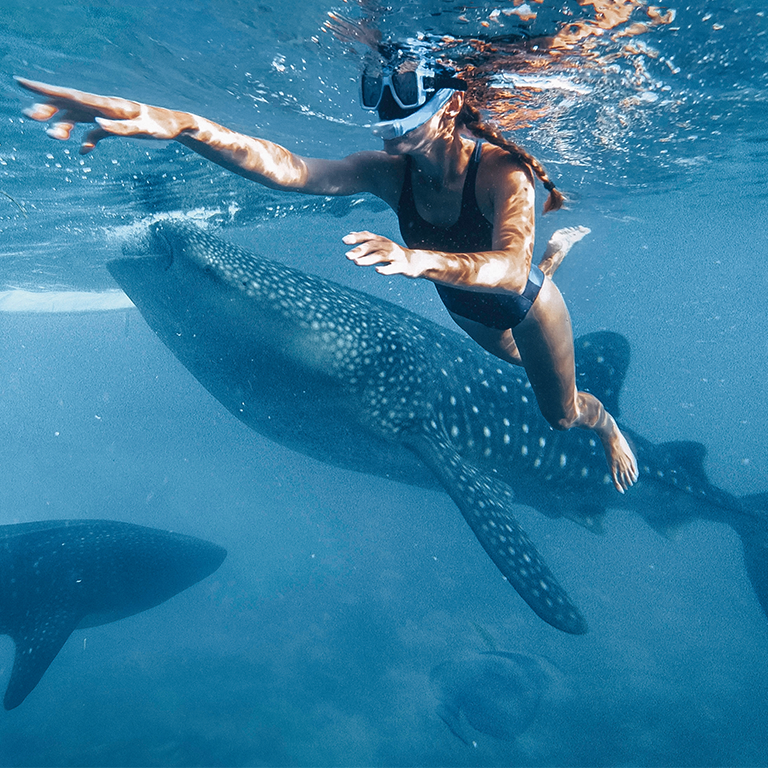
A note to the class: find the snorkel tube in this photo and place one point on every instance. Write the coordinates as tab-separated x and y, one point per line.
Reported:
394	129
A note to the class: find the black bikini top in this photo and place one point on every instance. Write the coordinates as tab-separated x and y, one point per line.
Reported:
472	232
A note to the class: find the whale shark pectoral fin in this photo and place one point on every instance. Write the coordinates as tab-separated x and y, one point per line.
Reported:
483	501
38	639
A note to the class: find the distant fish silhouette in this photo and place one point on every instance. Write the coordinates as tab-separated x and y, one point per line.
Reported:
60	575
495	692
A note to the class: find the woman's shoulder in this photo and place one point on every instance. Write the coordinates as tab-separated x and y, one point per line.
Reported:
375	164
375	158
383	172
500	168
502	159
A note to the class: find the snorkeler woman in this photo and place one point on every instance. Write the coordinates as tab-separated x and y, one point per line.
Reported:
465	208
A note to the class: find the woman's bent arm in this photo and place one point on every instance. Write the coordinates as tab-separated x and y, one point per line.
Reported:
510	196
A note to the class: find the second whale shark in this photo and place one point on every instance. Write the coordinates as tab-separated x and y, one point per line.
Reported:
360	383
60	575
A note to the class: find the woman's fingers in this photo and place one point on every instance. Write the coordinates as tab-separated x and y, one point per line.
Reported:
41	112
74	107
375	250
81	102
389	269
44	89
365	256
68	105
60	130
121	127
92	138
364	247
115	116
371	259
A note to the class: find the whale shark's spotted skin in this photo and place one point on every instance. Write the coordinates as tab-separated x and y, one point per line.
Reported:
360	383
58	575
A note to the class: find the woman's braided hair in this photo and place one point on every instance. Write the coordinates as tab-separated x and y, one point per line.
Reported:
472	120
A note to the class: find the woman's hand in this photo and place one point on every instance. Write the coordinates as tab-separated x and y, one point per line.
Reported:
114	116
392	258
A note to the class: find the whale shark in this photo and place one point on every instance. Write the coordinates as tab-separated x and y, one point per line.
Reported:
60	575
360	383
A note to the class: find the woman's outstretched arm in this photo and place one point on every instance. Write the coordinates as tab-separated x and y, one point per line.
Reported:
256	159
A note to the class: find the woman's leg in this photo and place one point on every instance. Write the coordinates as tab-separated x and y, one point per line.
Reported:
545	343
499	343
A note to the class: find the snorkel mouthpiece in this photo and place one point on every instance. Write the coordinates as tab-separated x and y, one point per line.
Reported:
394	129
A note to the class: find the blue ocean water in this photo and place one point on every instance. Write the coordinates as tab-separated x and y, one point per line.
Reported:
314	642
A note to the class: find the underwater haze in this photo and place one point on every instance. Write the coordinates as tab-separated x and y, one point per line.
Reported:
345	596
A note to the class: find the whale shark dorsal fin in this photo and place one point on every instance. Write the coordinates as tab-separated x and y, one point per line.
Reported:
602	359
38	638
484	502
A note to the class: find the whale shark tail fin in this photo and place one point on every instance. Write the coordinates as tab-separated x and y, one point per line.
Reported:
602	359
484	502
38	639
754	541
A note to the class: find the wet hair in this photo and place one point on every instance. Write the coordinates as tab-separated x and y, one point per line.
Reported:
471	119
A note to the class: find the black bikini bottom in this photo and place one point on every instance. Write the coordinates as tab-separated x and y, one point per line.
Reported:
493	310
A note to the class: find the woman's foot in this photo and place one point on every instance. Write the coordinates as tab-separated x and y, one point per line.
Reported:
621	460
558	246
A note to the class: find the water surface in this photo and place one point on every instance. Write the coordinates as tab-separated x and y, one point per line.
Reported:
313	643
